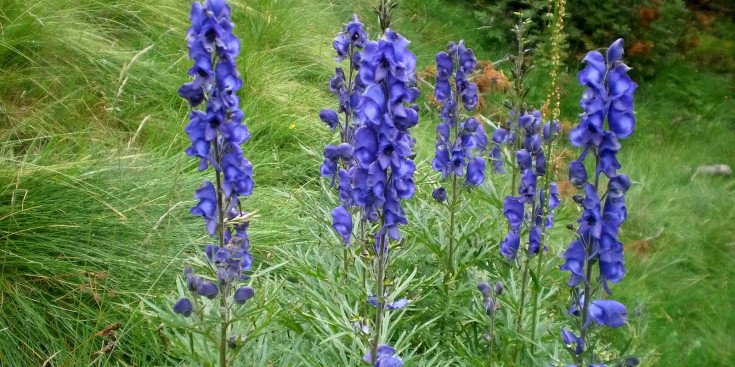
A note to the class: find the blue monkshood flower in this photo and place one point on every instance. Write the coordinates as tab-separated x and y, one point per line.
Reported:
356	33
467	60
337	83
575	258
330	118
497	159
386	357
590	225
207	206
509	247
238	172
242	295
525	162
208	289
342	223
475	172
527	189
444	66
341	44
513	210
398	304
534	240
210	250
608	152
472	136
577	174
333	155
345	188
439	194
607	312
184	307
553	204
569	339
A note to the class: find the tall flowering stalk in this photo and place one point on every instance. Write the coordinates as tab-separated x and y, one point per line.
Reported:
609	95
216	134
530	212
383	174
459	146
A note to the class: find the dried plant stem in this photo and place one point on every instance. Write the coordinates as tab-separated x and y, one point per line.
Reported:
555	99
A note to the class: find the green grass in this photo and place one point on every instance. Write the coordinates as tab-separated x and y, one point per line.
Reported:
96	189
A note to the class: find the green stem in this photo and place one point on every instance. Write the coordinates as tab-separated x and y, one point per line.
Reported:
452	223
223	332
363	255
492	333
381	299
221	232
521	304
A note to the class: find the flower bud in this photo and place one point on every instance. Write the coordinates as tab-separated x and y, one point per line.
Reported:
499	288
184	307
489	306
484	288
243	294
439	194
193	282
208	289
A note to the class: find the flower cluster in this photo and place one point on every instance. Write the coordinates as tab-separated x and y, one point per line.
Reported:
382	172
490	295
216	135
532	164
609	95
459	145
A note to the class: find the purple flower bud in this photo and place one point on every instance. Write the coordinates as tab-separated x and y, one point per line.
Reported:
484	288
498	288
615	51
439	194
184	307
489	305
193	282
577	174
330	118
208	289
243	294
342	223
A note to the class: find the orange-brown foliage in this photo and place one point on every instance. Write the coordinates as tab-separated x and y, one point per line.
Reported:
641	47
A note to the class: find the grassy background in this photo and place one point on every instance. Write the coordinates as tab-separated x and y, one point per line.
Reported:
96	189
